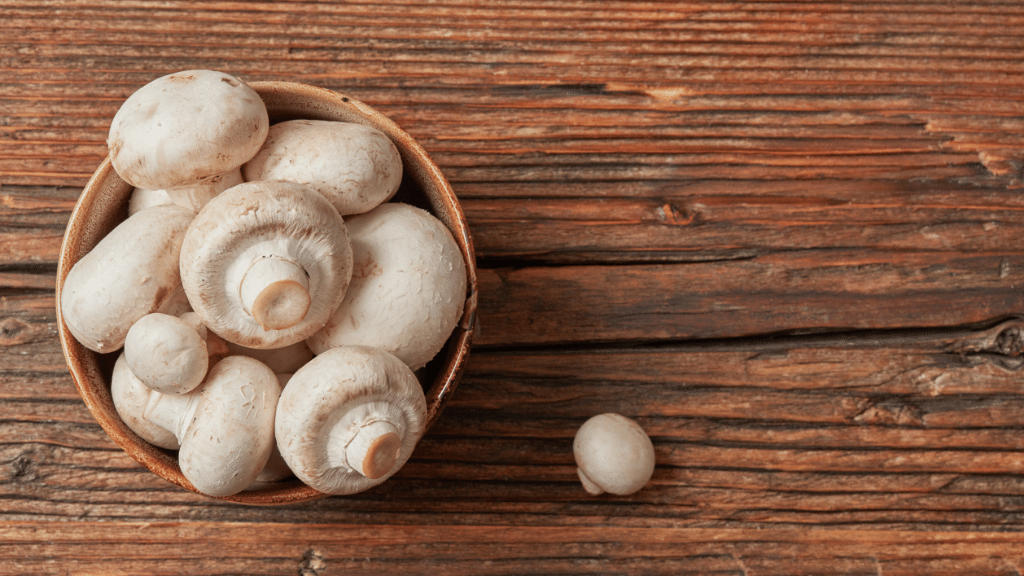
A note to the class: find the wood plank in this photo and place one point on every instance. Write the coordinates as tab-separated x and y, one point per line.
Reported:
358	549
762	295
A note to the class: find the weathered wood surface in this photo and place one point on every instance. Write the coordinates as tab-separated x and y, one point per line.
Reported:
782	236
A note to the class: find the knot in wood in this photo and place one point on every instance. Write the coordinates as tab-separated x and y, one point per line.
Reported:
1010	341
313	563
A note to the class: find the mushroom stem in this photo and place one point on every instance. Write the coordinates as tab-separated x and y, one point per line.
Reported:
171	412
275	292
374	450
367	440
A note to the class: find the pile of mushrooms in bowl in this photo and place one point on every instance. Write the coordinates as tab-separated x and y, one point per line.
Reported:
267	291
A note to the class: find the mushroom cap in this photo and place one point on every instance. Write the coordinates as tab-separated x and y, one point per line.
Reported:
408	286
257	222
331	399
166	353
354	166
185	128
613	454
191	196
229	438
131	272
130	398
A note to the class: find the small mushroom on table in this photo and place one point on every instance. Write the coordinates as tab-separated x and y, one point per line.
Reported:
349	419
265	264
613	454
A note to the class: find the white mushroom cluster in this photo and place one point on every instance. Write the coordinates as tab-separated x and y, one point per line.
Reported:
267	298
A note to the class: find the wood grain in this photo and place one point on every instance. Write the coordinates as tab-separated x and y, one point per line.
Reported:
783	236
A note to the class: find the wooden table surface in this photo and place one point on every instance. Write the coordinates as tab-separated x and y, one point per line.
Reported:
785	237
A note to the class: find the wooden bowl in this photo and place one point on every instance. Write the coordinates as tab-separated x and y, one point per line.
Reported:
104	203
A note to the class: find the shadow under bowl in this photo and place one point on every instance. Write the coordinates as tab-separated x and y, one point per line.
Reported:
103	204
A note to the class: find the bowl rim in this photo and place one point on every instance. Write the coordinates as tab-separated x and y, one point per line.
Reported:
84	366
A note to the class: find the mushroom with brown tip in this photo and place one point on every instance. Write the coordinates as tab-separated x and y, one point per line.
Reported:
349	419
354	166
265	264
131	272
408	286
613	454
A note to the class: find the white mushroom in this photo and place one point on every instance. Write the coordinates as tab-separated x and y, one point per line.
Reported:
354	166
613	454
191	196
225	427
166	353
349	419
408	286
186	128
131	397
266	263
131	272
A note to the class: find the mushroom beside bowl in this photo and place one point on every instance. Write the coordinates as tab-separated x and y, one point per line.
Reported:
104	203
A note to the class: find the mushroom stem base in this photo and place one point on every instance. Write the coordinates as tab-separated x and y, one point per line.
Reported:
374	450
275	292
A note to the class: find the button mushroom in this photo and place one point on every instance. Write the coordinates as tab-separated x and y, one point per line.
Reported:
613	454
349	419
131	272
354	166
265	264
186	128
166	353
408	286
225	428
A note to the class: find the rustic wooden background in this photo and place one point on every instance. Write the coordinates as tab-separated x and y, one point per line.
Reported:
785	237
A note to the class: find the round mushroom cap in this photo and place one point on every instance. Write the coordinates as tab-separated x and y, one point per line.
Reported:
408	286
349	396
130	398
258	227
613	454
131	272
231	433
354	166
185	128
166	353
